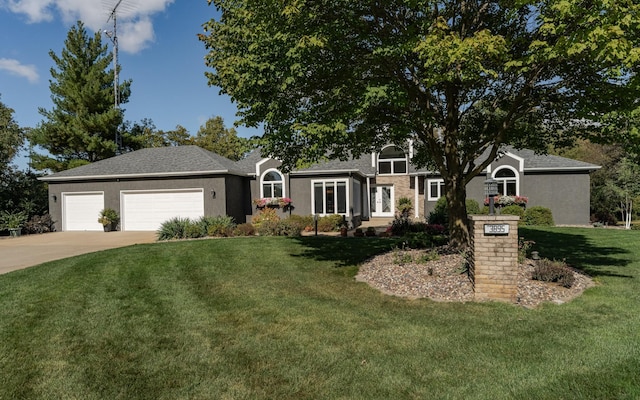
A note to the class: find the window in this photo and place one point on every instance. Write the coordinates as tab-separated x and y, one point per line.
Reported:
329	197
272	184
392	161
436	189
507	181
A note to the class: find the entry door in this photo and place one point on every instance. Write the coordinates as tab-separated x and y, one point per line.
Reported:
382	201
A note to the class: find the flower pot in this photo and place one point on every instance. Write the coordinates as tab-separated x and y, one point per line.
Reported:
107	228
343	232
14	232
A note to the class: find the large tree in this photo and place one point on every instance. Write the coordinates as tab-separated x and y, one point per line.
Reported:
215	137
11	136
338	78
82	125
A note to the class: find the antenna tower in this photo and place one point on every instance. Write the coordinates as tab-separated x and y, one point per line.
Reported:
113	35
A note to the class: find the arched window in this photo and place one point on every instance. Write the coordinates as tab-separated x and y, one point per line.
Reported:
272	184
392	161
507	178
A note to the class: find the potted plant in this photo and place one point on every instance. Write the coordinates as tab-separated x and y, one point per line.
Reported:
370	232
404	206
13	222
109	219
358	232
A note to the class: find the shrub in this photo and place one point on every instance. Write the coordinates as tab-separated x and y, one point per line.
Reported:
244	230
513	210
405	205
303	220
39	224
473	207
330	223
175	228
268	228
538	216
193	230
289	227
221	225
266	214
439	215
553	271
400	226
420	240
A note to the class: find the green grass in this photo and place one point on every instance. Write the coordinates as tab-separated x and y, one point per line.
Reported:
279	318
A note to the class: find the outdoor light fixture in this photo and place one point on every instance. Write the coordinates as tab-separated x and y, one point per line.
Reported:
54	197
213	194
491	190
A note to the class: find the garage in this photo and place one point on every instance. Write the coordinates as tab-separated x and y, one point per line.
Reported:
147	210
80	211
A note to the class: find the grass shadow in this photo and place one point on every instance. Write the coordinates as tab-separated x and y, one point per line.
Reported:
594	252
344	251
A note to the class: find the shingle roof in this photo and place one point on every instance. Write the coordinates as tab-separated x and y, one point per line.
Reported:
533	161
193	160
157	161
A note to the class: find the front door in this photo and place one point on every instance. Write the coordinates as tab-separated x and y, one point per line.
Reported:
382	201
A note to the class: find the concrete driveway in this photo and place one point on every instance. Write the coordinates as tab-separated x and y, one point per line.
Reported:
26	251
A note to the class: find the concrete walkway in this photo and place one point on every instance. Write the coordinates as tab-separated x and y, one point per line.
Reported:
29	250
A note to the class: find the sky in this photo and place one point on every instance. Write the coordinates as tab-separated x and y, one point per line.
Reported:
158	50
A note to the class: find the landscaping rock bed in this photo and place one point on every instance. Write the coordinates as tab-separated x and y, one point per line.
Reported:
403	273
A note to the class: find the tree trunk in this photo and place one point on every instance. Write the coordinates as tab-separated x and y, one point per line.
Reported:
456	194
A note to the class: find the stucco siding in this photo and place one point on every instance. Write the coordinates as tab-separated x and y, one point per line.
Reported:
112	189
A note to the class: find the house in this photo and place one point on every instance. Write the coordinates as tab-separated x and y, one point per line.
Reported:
150	186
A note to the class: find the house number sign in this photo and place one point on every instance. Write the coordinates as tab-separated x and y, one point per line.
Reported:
496	229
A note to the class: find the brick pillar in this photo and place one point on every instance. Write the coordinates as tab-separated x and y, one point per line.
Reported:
494	262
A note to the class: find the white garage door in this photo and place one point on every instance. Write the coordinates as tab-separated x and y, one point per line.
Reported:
80	211
147	210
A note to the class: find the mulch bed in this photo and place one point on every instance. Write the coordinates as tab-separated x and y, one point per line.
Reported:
402	273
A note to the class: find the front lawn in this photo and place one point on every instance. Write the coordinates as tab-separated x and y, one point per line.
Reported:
281	318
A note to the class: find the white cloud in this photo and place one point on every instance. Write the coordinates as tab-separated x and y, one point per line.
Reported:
135	29
15	68
35	10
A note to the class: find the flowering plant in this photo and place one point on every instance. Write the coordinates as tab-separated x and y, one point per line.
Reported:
507	200
283	202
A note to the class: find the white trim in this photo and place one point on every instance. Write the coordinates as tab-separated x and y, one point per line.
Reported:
373	160
519	159
324	186
502	180
440	182
392	161
416	197
259	163
284	192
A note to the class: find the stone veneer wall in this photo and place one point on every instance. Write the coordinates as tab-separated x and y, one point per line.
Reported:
404	186
494	262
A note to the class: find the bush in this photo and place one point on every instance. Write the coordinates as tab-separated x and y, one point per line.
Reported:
540	216
330	223
39	224
400	226
221	225
175	228
439	215
289	227
266	214
244	230
553	271
420	240
473	207
305	221
268	228
405	205
513	210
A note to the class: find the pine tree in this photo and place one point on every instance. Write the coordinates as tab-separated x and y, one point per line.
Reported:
82	125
